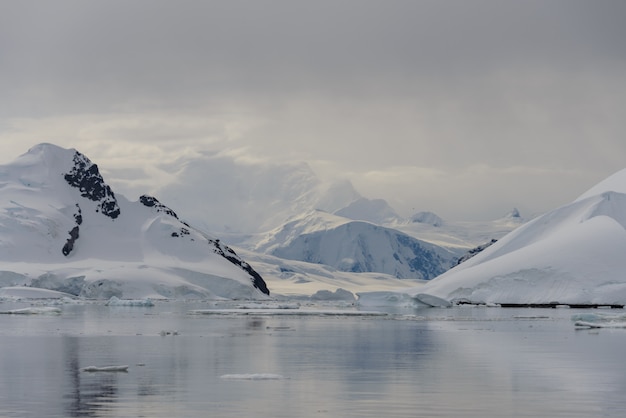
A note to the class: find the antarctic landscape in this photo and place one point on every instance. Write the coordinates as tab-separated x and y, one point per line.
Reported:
65	230
346	208
342	313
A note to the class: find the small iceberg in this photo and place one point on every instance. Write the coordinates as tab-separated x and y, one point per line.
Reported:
115	301
253	376
92	369
599	320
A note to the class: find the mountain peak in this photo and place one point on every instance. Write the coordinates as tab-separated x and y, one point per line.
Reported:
513	214
51	209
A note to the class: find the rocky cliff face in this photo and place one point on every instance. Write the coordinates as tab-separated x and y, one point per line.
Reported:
85	176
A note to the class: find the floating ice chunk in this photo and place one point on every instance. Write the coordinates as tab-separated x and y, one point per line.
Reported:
253	376
598	317
115	301
599	320
92	369
610	324
43	310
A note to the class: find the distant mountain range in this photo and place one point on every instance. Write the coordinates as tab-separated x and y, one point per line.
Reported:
284	210
63	228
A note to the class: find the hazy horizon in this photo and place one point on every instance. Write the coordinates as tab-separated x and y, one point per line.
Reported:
463	108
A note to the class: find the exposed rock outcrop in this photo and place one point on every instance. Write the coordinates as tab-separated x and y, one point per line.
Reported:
86	177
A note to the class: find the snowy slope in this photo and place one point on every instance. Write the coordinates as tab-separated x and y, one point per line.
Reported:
573	254
355	246
63	228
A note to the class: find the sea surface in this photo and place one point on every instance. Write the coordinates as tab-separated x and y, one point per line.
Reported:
233	360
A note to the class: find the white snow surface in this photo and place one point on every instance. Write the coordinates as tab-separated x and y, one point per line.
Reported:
571	255
298	279
142	253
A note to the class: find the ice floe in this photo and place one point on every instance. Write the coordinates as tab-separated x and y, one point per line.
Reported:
599	320
253	376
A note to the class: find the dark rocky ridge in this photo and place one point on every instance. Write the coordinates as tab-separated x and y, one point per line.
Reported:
69	245
74	233
474	251
152	202
230	255
86	177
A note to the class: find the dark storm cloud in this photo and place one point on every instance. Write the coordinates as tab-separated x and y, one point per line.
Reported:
103	53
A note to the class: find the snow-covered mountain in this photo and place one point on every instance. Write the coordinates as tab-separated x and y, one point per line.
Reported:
246	202
63	228
571	255
355	246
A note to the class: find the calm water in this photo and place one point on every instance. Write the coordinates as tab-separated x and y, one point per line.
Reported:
469	362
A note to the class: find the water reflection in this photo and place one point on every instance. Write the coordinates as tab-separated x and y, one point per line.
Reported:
86	392
449	364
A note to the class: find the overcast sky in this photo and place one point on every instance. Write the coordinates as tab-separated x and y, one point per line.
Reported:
466	108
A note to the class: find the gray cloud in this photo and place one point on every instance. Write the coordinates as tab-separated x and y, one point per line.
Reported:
421	102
